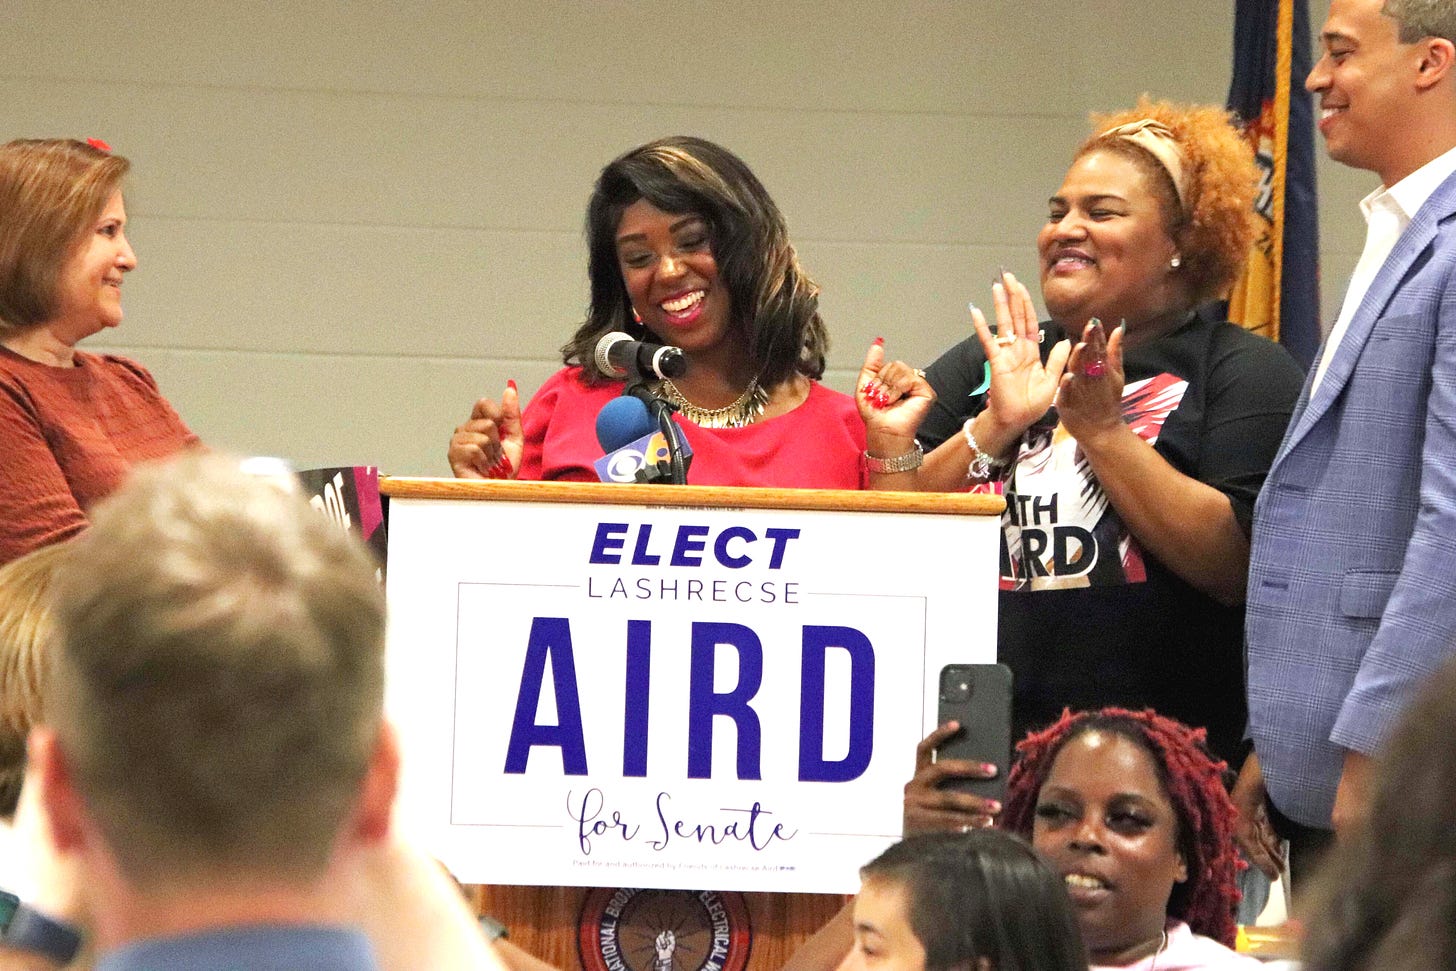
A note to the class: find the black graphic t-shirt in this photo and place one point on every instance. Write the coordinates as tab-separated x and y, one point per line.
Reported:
1087	617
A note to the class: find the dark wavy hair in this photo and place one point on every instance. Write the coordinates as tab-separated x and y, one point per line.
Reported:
979	895
775	304
1195	782
1387	897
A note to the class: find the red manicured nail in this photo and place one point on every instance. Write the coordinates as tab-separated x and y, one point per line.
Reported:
502	468
879	341
511	383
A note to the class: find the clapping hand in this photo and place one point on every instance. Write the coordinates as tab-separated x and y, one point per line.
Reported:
1022	387
1090	398
893	398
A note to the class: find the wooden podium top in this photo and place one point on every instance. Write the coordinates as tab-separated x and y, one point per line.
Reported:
726	497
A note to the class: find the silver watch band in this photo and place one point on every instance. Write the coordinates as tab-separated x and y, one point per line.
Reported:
901	463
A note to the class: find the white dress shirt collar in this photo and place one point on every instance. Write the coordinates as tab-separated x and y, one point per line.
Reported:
1411	192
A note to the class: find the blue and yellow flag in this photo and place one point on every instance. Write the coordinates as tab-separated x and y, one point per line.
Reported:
1278	294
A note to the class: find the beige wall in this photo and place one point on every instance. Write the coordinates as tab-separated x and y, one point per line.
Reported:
354	218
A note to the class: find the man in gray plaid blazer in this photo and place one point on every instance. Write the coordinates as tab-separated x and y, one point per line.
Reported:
1352	579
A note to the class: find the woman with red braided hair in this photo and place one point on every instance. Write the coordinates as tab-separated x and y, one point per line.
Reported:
1130	809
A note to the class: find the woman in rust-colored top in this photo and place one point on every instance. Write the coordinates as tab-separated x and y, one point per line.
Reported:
71	423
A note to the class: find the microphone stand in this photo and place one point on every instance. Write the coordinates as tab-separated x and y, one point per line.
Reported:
674	470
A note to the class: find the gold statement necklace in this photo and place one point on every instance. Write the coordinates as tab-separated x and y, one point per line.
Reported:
745	410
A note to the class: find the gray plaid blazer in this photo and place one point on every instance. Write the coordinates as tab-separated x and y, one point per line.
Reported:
1352	579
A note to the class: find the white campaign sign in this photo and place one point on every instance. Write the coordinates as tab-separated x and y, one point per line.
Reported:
674	698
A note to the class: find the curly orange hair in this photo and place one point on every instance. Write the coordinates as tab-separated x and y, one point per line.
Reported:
1215	228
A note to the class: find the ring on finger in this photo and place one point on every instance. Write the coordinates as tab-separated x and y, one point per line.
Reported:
1006	340
920	372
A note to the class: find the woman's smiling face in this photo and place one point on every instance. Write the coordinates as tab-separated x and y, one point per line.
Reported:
1105	250
89	288
1105	822
671	276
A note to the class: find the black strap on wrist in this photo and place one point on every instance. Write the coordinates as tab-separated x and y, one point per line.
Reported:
27	929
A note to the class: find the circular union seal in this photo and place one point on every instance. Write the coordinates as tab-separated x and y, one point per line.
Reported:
663	930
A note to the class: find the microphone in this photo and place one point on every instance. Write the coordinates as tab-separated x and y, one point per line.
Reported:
636	450
618	355
621	421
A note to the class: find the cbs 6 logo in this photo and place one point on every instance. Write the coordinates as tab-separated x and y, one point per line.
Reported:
624	465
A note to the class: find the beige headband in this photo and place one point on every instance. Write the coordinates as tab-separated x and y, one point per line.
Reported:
1156	138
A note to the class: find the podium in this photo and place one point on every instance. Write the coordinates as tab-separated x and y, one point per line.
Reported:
669	723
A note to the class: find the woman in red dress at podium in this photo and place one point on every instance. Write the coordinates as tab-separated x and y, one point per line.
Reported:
687	249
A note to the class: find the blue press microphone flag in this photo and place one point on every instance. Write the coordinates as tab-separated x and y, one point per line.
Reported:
631	439
623	420
623	464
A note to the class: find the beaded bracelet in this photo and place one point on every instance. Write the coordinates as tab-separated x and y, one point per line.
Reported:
982	466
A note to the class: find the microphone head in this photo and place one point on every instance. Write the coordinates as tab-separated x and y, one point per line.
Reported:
602	357
622	420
